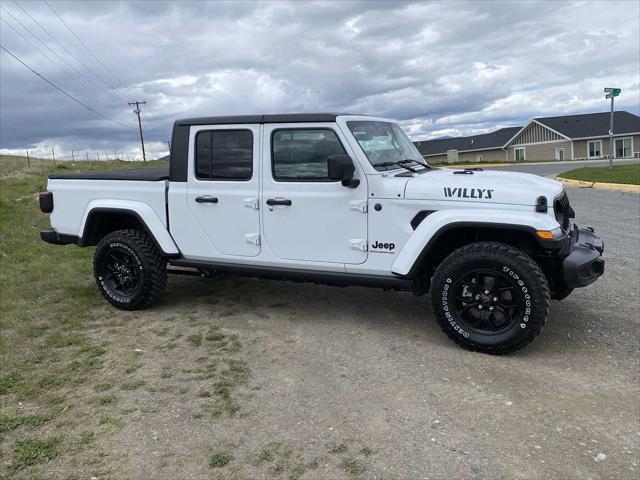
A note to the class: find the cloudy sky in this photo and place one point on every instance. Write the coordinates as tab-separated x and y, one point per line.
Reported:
439	68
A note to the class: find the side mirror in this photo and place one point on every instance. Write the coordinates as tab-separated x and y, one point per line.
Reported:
340	167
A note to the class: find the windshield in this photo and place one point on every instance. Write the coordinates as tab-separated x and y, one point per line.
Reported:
384	143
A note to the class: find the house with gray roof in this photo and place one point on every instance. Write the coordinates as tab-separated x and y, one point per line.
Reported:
568	137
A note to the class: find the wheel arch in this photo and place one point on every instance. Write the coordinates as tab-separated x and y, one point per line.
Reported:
435	238
102	220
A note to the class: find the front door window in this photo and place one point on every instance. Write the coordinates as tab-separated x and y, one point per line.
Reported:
301	155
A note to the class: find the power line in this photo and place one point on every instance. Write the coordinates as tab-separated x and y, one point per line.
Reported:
85	47
45	55
63	92
95	88
66	50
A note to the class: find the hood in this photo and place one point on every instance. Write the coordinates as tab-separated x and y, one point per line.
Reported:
491	186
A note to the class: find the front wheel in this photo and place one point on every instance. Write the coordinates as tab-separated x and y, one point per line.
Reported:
490	297
130	271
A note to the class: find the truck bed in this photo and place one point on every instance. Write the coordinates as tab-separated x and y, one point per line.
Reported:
76	194
138	174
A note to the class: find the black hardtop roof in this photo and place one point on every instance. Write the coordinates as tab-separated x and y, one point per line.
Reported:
269	118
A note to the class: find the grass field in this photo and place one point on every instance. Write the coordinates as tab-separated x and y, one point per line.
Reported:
627	174
70	372
45	295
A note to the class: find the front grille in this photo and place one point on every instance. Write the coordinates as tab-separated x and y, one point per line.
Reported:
563	211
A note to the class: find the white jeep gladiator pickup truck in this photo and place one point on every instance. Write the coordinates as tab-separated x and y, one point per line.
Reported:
336	199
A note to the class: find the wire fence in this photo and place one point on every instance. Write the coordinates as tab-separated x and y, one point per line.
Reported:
73	156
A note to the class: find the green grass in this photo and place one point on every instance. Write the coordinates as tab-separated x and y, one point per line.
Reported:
14	421
32	451
627	174
219	459
266	456
297	471
47	296
103	387
132	385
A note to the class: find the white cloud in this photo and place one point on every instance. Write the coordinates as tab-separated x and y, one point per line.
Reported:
440	68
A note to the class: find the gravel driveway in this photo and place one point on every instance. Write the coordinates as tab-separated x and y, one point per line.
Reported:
357	383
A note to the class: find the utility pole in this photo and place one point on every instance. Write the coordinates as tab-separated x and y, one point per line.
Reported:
87	154
98	155
137	112
611	93
54	157
28	160
73	158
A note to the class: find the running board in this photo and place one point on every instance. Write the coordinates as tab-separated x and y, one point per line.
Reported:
296	275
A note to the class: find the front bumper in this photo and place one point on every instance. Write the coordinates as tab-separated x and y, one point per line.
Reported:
584	264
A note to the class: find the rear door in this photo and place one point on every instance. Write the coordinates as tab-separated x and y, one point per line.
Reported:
306	216
224	184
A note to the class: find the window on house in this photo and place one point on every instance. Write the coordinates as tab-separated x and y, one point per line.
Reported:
224	155
594	148
559	153
519	154
302	154
623	148
478	158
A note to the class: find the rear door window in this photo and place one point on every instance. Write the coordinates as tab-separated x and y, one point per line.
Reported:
224	155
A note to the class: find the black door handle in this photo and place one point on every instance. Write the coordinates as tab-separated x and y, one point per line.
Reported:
207	199
278	201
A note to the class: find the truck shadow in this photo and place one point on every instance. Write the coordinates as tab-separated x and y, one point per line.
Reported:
292	304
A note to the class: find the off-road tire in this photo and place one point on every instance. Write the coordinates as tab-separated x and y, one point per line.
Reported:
145	258
530	286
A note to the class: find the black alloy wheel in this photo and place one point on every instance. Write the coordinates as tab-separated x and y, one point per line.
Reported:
121	271
488	301
130	270
490	297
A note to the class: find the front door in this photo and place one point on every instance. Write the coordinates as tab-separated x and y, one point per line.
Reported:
307	216
224	184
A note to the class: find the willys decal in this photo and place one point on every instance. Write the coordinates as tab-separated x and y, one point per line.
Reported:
468	192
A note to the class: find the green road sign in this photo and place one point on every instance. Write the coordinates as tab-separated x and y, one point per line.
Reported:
613	92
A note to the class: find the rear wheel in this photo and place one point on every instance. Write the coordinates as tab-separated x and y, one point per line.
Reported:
129	269
490	297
